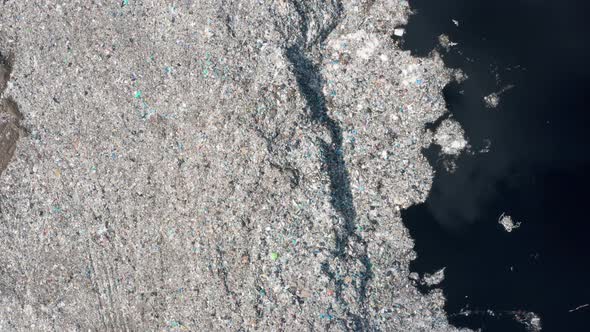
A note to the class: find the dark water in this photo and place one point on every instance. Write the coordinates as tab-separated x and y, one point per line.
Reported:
536	170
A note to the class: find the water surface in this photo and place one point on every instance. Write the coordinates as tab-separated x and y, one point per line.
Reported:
536	169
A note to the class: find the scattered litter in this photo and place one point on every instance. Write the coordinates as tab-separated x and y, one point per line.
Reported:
434	278
399	32
487	143
459	76
507	222
450	137
579	307
274	256
455	22
530	320
493	100
368	47
446	42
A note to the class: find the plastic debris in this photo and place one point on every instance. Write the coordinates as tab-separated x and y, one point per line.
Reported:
493	99
579	307
446	42
450	137
434	278
507	222
299	120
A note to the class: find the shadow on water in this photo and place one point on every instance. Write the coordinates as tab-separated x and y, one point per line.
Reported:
536	169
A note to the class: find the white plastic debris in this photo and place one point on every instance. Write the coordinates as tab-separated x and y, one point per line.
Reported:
507	222
487	143
579	307
450	137
399	32
530	320
446	42
492	100
434	278
368	48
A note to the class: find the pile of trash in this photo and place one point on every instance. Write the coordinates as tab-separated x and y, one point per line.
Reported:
229	165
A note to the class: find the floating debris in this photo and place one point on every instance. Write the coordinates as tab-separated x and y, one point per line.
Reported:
530	320
446	42
493	99
507	222
450	137
434	278
487	143
399	32
579	307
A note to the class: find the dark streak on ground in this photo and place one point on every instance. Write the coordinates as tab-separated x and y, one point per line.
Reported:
310	84
310	81
10	116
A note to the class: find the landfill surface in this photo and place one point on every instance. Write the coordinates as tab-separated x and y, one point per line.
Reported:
202	165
